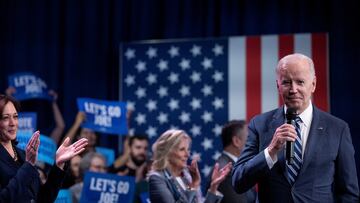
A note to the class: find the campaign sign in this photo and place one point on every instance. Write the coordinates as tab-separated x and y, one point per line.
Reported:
107	188
64	196
47	148
28	86
108	153
27	121
145	197
104	116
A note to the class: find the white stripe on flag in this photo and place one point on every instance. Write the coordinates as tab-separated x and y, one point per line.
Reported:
302	44
237	80
270	51
269	60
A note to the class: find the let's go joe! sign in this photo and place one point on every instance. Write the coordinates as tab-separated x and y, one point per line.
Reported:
104	116
28	86
107	188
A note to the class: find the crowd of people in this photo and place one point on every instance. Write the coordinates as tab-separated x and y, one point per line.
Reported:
251	168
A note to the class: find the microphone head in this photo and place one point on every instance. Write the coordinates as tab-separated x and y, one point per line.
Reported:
291	114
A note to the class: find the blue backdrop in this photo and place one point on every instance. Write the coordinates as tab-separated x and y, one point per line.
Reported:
74	45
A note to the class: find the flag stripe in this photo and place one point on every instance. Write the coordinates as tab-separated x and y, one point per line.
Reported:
319	55
236	82
302	44
286	46
244	101
253	71
269	93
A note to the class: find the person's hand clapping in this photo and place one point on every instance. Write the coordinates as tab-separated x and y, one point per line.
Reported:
195	174
65	152
218	176
32	148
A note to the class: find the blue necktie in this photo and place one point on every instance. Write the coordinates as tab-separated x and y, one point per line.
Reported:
294	168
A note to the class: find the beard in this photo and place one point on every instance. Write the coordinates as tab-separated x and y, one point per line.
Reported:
139	159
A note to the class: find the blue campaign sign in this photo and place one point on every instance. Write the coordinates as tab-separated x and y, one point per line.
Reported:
27	121
108	153
47	147
28	86
64	196
145	197
107	188
104	116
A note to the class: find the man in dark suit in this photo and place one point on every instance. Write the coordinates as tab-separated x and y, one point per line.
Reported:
324	166
233	137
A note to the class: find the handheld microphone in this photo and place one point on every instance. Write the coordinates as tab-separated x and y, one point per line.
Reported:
290	119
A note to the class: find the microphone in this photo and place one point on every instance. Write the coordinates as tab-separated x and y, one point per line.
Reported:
290	119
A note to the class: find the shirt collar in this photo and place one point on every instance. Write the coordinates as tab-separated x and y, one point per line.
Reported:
233	157
306	115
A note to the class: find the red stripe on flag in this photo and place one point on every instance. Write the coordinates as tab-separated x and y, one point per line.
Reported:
253	76
286	47
320	58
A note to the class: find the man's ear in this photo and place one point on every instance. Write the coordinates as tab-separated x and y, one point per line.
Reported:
236	141
314	84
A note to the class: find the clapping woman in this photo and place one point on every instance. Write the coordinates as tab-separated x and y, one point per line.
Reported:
19	178
172	180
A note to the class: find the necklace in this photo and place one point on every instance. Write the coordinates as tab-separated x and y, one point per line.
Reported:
15	153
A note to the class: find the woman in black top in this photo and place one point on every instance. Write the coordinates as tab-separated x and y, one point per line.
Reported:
19	178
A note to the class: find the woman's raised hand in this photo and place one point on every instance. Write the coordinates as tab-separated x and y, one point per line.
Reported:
32	148
65	152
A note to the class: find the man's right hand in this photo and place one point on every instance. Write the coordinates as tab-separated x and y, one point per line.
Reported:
285	132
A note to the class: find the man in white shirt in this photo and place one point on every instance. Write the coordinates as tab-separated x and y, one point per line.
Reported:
233	137
324	170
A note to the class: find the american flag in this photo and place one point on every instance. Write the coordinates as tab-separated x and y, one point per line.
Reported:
199	84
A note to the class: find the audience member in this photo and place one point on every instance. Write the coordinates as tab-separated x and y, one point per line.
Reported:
93	162
76	132
233	137
172	180
138	145
72	176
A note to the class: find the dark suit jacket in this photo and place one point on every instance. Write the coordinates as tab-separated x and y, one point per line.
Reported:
20	182
230	195
162	189
328	173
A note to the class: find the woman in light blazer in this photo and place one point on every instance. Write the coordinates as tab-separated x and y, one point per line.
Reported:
172	180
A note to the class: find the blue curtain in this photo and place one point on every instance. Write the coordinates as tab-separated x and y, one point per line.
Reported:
74	44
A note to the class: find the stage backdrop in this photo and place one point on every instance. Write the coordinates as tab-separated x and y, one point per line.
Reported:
198	85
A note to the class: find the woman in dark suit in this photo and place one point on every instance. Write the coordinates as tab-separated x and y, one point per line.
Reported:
19	178
171	180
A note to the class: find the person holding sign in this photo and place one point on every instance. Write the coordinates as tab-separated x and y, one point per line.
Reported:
77	132
19	178
172	180
57	132
93	162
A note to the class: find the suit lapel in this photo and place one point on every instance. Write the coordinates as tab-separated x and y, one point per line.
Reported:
316	133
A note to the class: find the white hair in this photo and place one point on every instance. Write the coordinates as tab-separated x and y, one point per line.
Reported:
295	57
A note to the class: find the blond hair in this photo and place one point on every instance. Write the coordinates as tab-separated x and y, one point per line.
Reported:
168	141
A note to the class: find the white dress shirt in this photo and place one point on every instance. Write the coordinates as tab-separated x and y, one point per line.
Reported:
306	118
